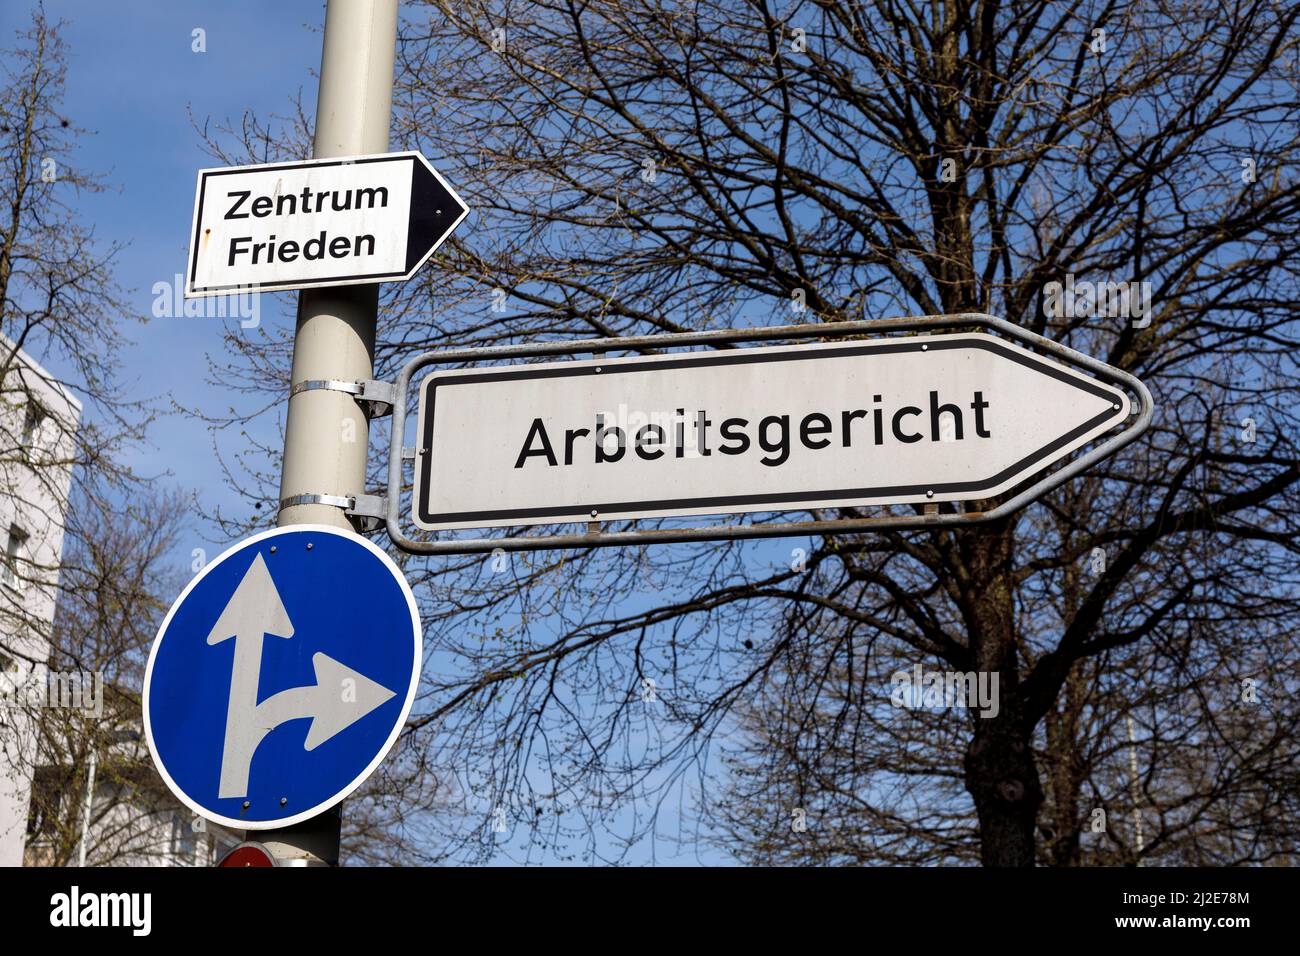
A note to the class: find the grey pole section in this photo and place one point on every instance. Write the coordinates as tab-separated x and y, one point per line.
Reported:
326	433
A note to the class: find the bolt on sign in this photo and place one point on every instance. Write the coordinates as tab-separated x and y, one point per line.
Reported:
327	222
893	421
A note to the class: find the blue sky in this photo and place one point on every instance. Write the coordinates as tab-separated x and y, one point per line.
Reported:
133	81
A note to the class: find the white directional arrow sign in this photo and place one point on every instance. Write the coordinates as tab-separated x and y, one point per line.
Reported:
914	419
338	699
362	219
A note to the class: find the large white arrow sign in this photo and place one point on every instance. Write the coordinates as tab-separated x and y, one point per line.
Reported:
339	698
924	418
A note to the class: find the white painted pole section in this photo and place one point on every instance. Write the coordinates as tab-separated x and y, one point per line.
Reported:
1133	787
325	440
90	799
326	433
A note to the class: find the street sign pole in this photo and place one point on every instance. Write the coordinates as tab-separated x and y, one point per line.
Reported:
326	430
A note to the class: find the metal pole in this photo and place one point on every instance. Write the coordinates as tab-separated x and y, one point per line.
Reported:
90	797
1133	787
326	432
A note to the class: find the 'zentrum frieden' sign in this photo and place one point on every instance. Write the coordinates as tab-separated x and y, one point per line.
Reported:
925	418
347	221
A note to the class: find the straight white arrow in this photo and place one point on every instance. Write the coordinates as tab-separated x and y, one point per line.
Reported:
338	699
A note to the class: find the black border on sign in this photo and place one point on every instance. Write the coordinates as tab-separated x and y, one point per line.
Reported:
738	357
291	284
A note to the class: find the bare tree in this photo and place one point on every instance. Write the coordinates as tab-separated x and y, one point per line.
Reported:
659	166
117	582
59	303
85	572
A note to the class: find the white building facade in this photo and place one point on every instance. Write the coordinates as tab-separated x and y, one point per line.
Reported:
121	815
38	422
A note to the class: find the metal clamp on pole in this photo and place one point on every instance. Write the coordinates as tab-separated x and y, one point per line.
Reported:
366	510
375	397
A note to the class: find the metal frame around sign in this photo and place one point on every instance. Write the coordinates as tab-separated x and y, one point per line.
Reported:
727	532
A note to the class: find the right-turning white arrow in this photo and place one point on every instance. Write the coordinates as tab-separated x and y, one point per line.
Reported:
339	698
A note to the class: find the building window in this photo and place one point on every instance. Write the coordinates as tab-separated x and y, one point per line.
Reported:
14	548
32	418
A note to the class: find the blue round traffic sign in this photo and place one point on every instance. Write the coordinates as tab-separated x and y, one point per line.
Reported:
281	676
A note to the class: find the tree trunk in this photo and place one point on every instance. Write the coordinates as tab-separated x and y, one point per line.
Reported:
1000	772
1065	772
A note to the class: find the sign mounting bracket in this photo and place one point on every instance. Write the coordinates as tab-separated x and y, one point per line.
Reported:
368	510
375	397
